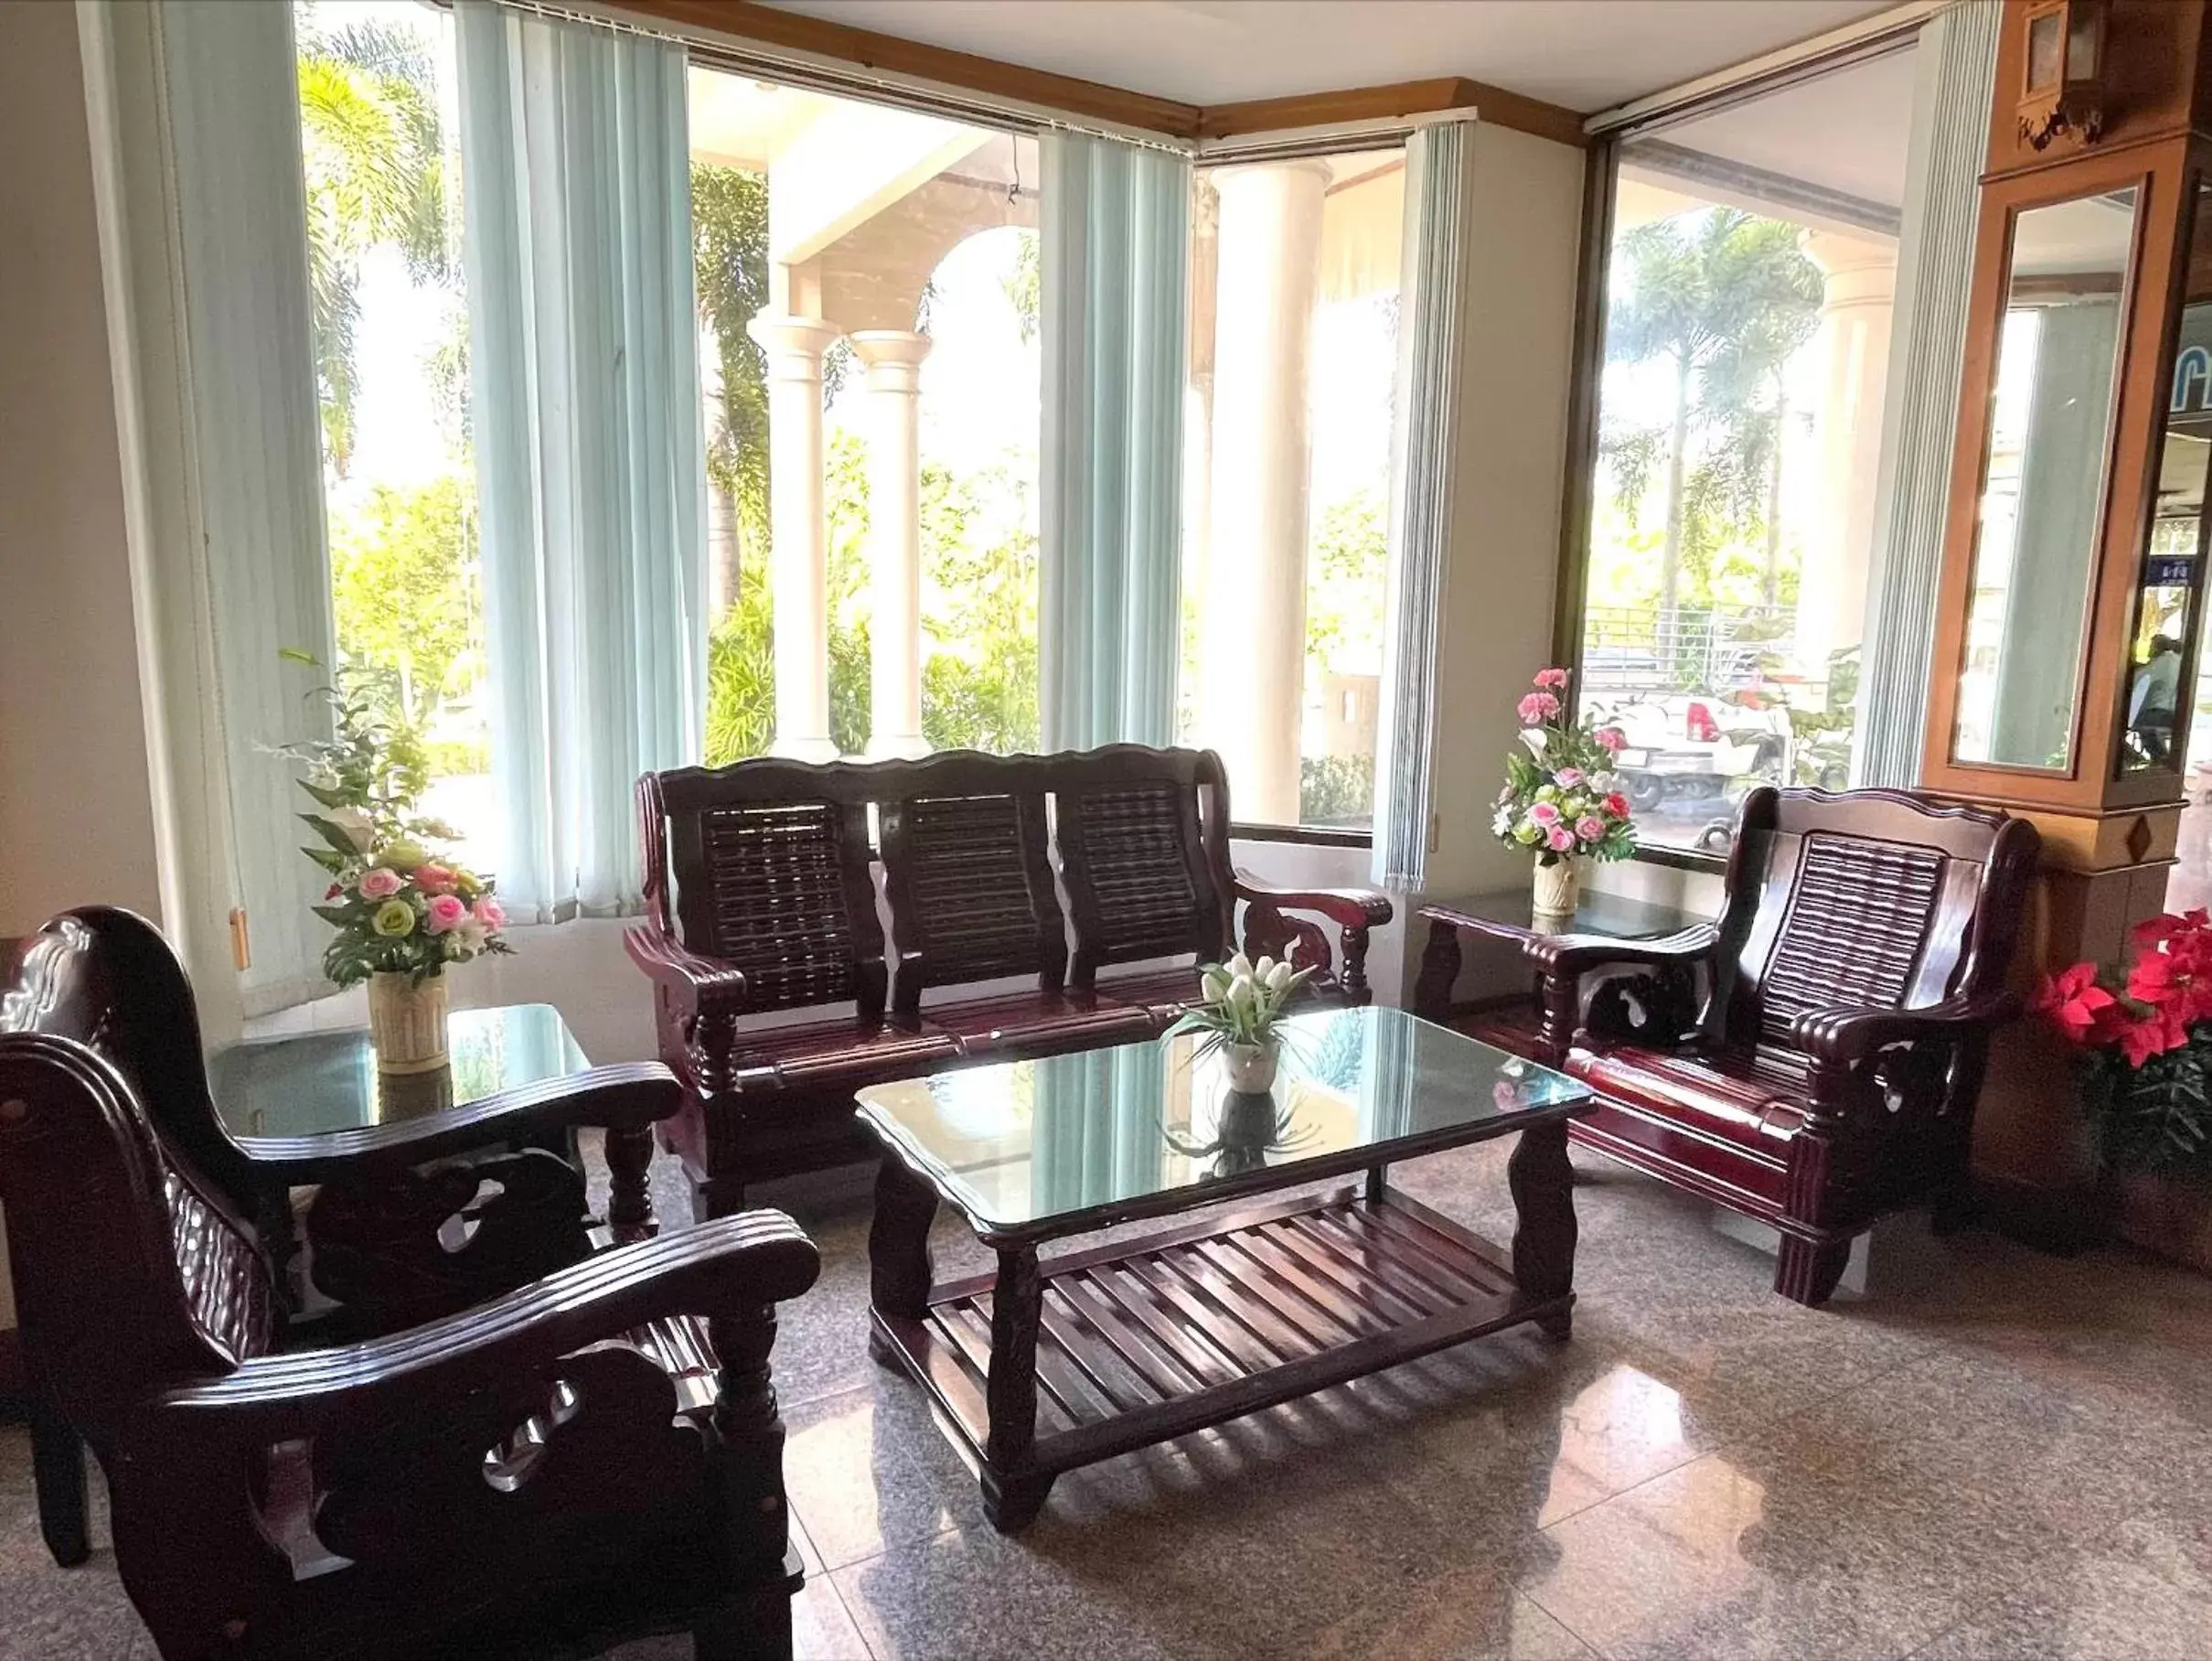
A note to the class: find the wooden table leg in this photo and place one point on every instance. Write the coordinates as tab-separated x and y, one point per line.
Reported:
1012	1501
899	1271
1439	973
629	1154
1543	1184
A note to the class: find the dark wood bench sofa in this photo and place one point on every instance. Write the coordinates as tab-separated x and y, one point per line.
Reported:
1088	885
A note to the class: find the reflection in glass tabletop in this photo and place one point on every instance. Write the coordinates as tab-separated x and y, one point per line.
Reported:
312	1083
1020	1142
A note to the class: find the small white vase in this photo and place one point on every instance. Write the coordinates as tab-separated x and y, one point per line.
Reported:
407	1022
1558	886
1252	1067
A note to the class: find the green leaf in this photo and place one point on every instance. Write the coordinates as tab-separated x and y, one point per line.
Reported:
337	839
327	796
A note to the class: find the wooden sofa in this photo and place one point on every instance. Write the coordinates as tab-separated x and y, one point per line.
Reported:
1088	885
1811	1059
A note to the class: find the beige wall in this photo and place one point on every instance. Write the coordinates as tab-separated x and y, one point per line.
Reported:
1519	320
76	812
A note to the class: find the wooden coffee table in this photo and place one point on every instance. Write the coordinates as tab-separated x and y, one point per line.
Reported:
1045	1366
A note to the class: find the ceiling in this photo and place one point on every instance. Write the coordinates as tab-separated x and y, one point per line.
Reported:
1585	54
1844	131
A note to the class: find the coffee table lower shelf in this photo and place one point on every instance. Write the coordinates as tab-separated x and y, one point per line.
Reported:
1141	1340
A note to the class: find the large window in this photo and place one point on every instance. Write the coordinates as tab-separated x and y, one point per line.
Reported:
1294	322
894	256
1752	274
377	88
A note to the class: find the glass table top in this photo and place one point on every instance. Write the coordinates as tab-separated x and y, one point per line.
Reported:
1611	917
1020	1142
310	1083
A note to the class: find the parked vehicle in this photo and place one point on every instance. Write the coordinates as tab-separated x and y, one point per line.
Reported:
1683	747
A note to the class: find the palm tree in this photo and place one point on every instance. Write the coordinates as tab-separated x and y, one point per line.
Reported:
730	271
1724	297
376	176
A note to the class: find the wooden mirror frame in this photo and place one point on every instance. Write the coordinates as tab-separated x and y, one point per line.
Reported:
2159	174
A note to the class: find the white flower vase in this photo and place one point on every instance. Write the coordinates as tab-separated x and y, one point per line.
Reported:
1252	1067
1558	886
407	1022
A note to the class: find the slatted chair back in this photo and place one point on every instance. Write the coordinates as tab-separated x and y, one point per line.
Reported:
130	1266
1143	838
772	867
967	872
1877	899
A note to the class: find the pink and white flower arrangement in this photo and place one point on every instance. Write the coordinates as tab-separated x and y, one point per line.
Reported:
398	905
1562	800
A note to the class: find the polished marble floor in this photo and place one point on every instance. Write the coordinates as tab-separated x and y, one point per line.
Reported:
1990	1453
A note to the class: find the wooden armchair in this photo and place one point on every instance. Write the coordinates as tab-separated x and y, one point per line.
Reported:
595	1452
1811	1059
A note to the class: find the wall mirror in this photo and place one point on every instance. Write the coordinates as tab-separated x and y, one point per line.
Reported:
2043	471
2171	575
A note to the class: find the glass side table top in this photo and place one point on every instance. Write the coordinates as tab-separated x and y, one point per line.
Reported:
310	1083
1606	916
1020	1143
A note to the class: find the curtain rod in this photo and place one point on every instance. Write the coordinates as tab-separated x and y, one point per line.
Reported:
1870	37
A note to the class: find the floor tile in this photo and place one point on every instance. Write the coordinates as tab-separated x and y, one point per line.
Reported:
1469	1615
1737	1555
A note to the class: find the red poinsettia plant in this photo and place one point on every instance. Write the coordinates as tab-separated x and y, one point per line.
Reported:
2145	1046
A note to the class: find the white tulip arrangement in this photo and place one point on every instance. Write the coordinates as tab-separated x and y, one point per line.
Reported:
1243	1000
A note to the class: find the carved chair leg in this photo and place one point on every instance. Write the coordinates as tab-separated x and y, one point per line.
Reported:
58	1474
1809	1271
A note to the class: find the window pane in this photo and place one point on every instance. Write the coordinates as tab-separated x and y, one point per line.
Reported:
381	149
1293	359
894	256
1753	272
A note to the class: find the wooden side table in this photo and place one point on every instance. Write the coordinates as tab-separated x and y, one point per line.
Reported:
1509	913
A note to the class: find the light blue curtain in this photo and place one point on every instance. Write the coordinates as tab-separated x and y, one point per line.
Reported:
1097	1130
1433	257
251	462
590	466
1116	234
1954	67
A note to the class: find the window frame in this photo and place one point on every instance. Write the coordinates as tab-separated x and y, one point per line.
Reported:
1601	178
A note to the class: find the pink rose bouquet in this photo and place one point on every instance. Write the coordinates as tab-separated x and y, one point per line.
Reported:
1562	800
397	905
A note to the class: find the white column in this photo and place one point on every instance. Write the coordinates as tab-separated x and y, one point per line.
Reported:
799	560
1859	292
1253	643
893	357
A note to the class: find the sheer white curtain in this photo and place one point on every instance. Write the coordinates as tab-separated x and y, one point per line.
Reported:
1116	245
591	481
248	480
1954	69
1429	333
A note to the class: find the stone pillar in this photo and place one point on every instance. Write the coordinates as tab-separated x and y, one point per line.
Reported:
1251	648
893	357
1858	294
799	533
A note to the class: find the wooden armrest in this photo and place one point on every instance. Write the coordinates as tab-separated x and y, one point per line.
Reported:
700	984
1845	1034
629	1095
1579	954
729	1267
1350	908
